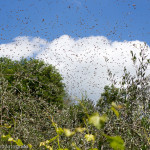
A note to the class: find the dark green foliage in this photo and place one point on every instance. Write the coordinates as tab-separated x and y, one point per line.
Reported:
33	78
110	94
30	122
78	112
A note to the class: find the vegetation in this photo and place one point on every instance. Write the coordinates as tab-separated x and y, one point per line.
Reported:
110	94
32	78
30	117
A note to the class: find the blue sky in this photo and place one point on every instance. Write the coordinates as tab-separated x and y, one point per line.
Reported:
76	36
49	19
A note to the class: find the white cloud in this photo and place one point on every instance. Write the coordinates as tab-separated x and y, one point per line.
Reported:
81	62
22	47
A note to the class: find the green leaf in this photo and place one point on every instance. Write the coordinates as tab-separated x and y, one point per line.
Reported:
59	131
7	126
98	121
19	142
30	146
115	111
79	129
5	137
116	142
89	137
42	144
11	139
48	141
68	133
76	147
48	147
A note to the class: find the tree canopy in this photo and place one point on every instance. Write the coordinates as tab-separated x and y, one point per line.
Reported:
33	78
110	94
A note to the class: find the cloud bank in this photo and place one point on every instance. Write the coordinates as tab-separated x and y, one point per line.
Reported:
82	62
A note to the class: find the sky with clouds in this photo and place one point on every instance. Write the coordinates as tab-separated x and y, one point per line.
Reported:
76	36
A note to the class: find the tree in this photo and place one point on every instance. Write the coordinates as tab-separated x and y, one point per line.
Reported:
110	94
33	78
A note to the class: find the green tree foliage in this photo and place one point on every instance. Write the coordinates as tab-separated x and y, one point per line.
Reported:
110	94
78	112
33	78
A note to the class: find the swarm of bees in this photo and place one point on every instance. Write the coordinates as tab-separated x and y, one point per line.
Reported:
77	47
